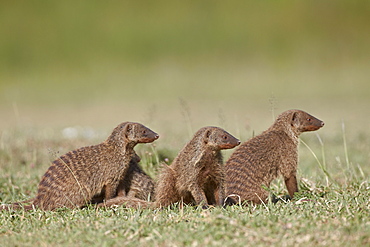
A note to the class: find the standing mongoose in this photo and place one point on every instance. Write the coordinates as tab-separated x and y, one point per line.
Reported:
258	161
76	177
195	176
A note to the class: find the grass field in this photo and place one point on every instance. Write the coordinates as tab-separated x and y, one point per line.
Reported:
332	208
70	72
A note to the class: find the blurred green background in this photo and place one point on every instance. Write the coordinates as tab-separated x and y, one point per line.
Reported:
180	65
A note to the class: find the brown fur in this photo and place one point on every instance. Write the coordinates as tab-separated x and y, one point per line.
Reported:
261	159
196	174
135	184
194	177
76	177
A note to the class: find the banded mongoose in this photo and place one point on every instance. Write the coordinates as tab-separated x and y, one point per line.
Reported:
258	161
195	176
76	177
197	173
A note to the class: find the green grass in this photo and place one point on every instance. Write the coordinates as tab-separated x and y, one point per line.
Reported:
338	218
326	212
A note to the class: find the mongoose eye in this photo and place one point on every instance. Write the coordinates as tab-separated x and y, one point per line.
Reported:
309	119
144	132
224	137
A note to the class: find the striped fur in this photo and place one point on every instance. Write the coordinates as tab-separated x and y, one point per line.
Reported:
258	161
76	177
196	175
136	183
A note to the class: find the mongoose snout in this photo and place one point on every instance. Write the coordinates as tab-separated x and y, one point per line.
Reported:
221	139
149	139
233	144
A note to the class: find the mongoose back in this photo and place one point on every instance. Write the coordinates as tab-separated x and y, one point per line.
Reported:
196	175
261	159
77	176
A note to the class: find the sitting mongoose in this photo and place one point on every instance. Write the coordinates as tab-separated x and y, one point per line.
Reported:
258	161
195	176
76	177
197	173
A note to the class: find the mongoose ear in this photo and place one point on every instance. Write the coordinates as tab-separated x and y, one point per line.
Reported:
294	118
127	130
207	134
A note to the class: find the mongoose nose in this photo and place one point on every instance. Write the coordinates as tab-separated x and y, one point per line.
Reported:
156	136
322	123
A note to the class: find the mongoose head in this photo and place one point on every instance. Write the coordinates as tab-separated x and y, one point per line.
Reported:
130	132
218	138
140	134
304	122
300	121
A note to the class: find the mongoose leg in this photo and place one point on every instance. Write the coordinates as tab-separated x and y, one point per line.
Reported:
211	199
199	196
221	195
212	195
291	184
121	193
110	191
